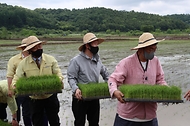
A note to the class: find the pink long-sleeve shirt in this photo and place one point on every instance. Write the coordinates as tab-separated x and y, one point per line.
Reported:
130	71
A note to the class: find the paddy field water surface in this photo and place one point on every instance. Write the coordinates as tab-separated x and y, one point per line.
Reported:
174	56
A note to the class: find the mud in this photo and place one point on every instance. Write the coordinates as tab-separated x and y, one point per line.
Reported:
176	68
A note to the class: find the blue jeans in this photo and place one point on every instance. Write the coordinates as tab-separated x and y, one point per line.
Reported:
122	122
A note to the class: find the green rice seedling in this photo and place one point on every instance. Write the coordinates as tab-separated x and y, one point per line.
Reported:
125	91
83	89
176	93
146	92
166	92
155	92
159	91
152	91
142	92
94	90
106	90
134	92
38	85
131	91
4	123
86	90
98	91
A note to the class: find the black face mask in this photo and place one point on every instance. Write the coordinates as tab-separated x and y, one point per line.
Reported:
94	50
37	53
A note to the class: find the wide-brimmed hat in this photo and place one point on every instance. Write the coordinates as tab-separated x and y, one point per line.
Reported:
23	44
32	41
88	38
146	39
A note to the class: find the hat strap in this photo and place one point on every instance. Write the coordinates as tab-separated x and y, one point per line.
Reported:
33	43
92	38
146	41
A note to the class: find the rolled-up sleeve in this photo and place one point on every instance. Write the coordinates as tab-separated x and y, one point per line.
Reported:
10	69
12	104
4	98
12	65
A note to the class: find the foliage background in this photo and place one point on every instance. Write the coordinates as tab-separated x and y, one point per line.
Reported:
18	22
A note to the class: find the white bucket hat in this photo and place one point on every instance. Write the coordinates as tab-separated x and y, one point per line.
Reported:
88	38
146	39
31	42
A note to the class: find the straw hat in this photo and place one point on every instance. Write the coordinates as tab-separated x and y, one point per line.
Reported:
23	44
88	38
146	39
32	41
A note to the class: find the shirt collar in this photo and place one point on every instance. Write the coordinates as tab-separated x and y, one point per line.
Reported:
39	58
94	58
21	56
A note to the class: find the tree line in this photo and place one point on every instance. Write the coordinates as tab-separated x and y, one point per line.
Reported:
43	21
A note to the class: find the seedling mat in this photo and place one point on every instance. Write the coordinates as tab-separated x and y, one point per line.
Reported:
39	93
98	97
152	100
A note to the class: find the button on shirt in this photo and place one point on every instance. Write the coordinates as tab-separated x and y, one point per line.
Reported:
82	69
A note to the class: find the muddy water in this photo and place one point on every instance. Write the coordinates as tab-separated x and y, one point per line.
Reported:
176	69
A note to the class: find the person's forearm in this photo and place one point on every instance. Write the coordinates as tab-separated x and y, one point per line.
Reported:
9	81
14	117
73	85
14	120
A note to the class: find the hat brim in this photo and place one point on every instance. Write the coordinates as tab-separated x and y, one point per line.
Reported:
32	45
20	47
147	44
99	41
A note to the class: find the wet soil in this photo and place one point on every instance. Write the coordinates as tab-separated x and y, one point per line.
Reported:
174	58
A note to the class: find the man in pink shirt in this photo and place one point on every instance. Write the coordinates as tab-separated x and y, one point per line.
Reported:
140	68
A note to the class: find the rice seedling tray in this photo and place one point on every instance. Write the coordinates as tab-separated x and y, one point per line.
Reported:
133	92
36	85
98	97
151	93
37	93
94	91
153	100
